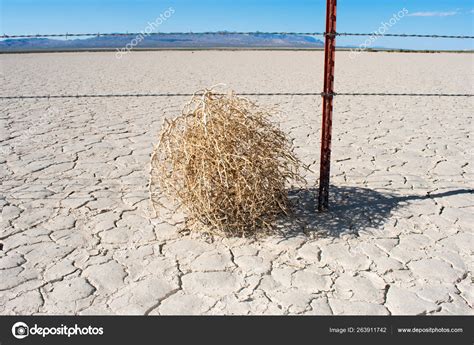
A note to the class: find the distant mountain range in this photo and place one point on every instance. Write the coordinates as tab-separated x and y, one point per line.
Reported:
185	40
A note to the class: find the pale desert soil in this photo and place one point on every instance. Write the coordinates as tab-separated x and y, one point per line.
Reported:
75	223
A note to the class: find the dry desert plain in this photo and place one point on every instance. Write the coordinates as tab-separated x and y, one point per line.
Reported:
76	228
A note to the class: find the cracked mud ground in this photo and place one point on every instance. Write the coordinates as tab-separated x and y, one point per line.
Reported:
75	223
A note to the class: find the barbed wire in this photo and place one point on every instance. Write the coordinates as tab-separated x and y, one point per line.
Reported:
243	94
404	35
223	33
402	94
158	95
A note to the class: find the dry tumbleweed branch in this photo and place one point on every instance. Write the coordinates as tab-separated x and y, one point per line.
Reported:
225	163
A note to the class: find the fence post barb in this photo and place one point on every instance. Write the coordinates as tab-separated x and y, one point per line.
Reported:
329	60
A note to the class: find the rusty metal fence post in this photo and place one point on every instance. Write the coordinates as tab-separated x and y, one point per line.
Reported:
329	59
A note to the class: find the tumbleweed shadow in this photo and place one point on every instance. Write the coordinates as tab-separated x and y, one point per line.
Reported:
352	210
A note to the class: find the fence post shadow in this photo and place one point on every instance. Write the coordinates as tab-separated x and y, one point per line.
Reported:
352	210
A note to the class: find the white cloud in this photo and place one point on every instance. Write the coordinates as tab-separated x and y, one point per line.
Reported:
433	14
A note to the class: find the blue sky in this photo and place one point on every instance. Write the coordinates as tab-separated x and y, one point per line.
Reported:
424	16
